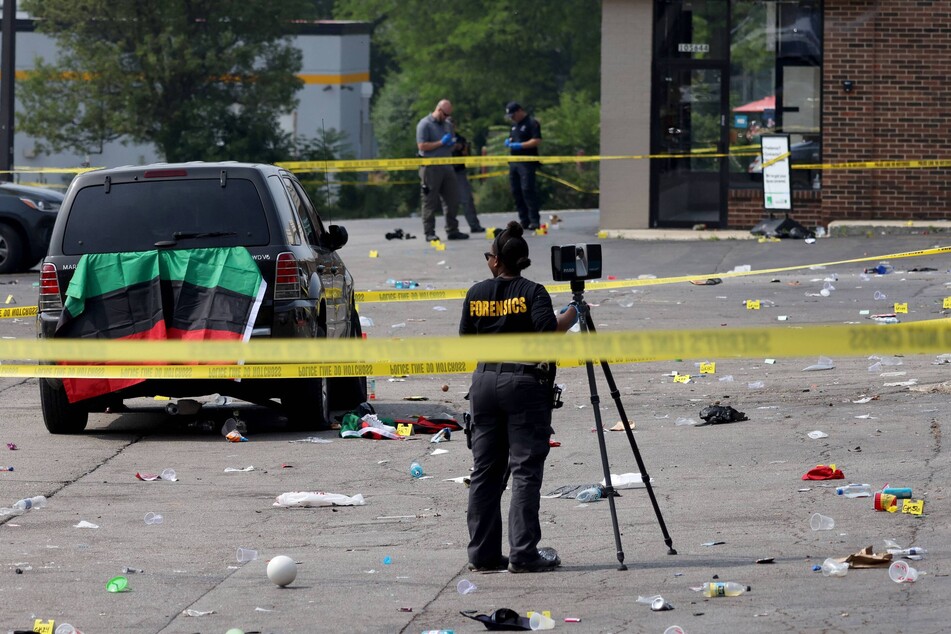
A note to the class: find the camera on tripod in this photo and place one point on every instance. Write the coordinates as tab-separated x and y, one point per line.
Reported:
570	262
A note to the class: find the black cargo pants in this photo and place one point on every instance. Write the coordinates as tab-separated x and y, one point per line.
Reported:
511	427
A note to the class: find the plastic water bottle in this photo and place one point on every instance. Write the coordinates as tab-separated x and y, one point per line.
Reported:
416	470
406	284
723	589
855	491
439	632
371	389
35	502
589	495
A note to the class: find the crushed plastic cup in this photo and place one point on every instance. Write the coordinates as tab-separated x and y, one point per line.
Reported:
832	568
465	586
816	435
820	522
169	474
539	621
660	604
674	629
246	554
879	296
117	584
66	628
153	518
901	572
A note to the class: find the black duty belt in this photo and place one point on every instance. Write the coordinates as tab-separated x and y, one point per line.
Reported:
515	368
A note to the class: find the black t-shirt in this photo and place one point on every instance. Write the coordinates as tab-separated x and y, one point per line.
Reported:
500	305
464	150
526	130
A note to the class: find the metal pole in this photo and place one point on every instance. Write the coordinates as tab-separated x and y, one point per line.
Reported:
7	78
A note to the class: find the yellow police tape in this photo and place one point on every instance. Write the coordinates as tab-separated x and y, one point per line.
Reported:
442	355
459	293
19	311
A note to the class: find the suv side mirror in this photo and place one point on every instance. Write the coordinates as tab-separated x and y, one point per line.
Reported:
337	237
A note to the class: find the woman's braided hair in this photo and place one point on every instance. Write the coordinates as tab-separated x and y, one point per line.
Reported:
511	248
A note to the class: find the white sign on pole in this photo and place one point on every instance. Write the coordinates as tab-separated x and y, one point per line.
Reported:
777	183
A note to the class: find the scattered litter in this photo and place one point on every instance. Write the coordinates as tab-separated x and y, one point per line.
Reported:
816	435
11	446
235	436
190	612
915	552
901	572
437	452
742	268
726	379
126	570
366	322
443	435
769	361
153	519
756	385
627	481
824	363
907	383
712	543
465	587
619	426
440	309
402	324
313	439
260	610
167	474
866	558
819	522
317	498
713	281
238	469
866	417
686	421
865	399
823	472
460	480
766	560
832	568
85	524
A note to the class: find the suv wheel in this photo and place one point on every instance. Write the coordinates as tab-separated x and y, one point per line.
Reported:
306	404
11	249
61	416
346	393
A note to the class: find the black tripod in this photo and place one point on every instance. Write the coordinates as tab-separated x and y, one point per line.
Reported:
584	318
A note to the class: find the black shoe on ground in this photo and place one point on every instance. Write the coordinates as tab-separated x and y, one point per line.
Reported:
502	564
531	227
547	561
524	224
431	236
457	235
477	229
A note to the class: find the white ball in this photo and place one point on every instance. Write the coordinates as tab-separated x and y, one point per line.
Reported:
282	570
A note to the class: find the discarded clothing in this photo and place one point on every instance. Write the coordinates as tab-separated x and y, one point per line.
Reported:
823	472
715	414
503	619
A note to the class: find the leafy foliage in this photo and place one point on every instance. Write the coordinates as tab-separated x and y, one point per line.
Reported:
200	80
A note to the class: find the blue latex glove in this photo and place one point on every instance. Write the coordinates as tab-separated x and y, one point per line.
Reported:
508	142
571	305
515	145
447	139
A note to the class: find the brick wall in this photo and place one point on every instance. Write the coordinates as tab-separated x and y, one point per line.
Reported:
746	208
898	54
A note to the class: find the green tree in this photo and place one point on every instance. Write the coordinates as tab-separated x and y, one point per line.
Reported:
199	80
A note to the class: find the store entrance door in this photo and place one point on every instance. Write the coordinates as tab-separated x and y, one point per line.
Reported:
690	113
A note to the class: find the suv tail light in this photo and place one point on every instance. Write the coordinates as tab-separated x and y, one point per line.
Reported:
50	299
286	277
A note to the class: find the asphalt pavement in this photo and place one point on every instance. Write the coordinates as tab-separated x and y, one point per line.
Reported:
730	495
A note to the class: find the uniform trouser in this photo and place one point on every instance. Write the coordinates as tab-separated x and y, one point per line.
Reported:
522	182
466	201
439	181
511	427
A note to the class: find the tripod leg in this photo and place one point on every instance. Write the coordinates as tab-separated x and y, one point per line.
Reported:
616	395
609	488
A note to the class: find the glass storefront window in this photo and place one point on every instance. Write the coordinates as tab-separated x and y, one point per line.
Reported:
775	85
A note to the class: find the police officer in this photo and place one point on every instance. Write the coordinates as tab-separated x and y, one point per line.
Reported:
435	138
511	407
523	140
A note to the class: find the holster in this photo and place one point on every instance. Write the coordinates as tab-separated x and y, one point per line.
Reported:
467	428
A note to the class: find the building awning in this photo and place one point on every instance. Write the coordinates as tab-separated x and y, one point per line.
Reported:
766	103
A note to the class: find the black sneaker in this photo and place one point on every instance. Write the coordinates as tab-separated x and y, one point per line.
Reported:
431	236
457	235
532	227
500	565
477	229
546	561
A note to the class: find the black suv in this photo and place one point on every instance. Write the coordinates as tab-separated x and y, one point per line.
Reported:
154	208
27	215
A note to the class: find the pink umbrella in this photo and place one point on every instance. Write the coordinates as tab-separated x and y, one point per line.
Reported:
766	103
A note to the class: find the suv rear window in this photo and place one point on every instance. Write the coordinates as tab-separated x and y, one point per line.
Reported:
135	216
